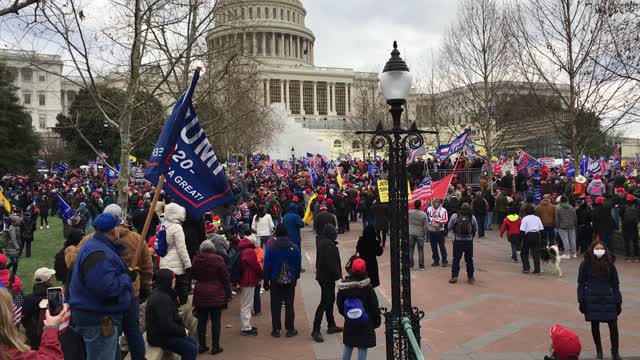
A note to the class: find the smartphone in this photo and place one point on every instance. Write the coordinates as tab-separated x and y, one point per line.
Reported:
55	299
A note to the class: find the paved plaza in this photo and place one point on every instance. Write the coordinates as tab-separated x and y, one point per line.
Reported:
505	315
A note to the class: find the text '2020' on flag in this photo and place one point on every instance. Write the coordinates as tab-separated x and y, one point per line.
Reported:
194	177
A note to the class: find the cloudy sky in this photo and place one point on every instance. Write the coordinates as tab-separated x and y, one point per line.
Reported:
359	33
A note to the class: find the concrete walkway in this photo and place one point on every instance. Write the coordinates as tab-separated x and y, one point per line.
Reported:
505	315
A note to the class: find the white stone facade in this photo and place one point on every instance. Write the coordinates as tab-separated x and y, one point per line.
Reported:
274	33
41	89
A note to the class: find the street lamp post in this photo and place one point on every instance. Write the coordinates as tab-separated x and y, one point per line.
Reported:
293	160
395	84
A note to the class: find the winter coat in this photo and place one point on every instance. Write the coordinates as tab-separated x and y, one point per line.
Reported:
137	255
599	292
328	267
27	228
418	223
502	206
221	244
50	348
194	234
629	214
262	226
381	216
281	250
583	215
546	211
251	269
453	226
162	320
293	222
5	275
566	217
603	220
323	218
596	188
44	207
15	238
31	313
511	225
359	336
177	258
212	278
369	249
480	206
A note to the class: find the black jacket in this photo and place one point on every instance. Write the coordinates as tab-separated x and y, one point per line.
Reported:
31	314
369	249
162	319
381	216
583	214
359	336
603	220
328	266
321	219
599	292
629	215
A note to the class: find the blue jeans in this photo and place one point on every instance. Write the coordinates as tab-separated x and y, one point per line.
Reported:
186	347
489	220
460	248
131	328
548	236
98	347
348	350
437	241
257	305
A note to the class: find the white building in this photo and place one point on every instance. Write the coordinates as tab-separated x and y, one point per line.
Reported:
274	33
41	88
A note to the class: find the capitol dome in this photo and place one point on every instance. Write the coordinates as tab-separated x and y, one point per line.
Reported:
270	30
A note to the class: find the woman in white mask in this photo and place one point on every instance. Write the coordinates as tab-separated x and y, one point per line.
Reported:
599	295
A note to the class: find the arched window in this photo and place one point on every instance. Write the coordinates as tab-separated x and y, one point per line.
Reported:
337	144
355	144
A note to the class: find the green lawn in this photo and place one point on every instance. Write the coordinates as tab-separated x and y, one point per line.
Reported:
46	244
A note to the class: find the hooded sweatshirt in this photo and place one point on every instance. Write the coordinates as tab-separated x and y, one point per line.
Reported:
546	211
177	258
281	251
511	225
162	321
596	188
293	223
328	267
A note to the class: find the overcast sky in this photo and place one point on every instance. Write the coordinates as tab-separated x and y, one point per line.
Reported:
359	33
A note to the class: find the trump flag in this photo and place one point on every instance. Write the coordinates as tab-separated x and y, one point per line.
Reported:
195	178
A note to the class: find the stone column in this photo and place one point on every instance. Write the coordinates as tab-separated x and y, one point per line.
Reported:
282	43
302	98
273	44
281	91
255	43
287	103
244	43
268	91
350	109
346	100
333	98
315	98
291	53
264	44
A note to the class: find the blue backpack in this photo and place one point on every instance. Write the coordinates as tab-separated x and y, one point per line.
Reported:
235	270
355	313
160	245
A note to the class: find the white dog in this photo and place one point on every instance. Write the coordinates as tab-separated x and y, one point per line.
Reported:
551	255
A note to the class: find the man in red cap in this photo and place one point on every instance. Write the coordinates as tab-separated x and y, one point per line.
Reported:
565	344
630	216
5	277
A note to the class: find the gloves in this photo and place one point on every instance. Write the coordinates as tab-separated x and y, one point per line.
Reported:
266	286
133	274
619	308
144	295
583	308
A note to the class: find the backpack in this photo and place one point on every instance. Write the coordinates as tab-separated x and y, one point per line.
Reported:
354	312
235	270
284	276
160	245
464	226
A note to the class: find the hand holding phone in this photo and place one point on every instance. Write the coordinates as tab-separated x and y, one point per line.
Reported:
55	299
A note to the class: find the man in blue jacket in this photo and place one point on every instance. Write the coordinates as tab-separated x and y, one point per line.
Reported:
281	272
100	290
294	223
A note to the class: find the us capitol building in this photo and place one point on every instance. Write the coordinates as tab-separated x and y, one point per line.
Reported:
318	99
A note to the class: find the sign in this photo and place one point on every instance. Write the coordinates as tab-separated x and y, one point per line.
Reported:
549	162
383	190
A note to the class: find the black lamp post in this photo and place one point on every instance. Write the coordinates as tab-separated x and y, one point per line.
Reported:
293	160
395	84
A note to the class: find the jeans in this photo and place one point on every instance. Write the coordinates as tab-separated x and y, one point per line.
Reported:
437	241
419	241
482	220
489	220
98	347
630	235
246	304
186	347
327	299
460	248
515	242
531	243
263	241
348	350
44	218
584	235
568	237
548	236
131	329
280	293
257	305
26	243
203	315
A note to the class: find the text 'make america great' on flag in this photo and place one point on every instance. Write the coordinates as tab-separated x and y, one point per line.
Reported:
195	177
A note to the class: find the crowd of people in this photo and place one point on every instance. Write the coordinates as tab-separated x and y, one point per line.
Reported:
238	251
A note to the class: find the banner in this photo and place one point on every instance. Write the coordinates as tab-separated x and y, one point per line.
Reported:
526	164
195	177
383	191
616	157
548	162
66	212
444	151
308	214
5	203
372	169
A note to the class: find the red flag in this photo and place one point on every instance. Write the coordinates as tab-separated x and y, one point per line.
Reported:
437	189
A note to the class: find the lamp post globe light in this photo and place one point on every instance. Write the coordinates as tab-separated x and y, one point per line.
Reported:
395	84
293	160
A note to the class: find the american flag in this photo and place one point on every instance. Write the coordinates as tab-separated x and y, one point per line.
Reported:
414	153
423	190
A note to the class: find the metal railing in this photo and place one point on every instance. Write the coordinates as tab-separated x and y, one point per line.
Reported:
408	330
468	177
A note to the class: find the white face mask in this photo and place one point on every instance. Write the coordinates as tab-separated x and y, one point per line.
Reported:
598	253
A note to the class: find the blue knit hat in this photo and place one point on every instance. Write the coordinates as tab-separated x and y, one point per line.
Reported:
106	222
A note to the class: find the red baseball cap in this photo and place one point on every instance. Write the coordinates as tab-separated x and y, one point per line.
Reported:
631	198
599	200
295	199
329	201
565	342
209	227
358	266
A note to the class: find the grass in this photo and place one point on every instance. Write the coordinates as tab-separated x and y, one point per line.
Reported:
45	246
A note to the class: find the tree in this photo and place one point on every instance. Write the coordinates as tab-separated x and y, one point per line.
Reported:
14	6
369	109
621	25
476	58
562	51
19	144
53	148
87	132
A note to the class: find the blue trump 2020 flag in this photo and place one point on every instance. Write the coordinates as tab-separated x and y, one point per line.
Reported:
66	212
194	177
